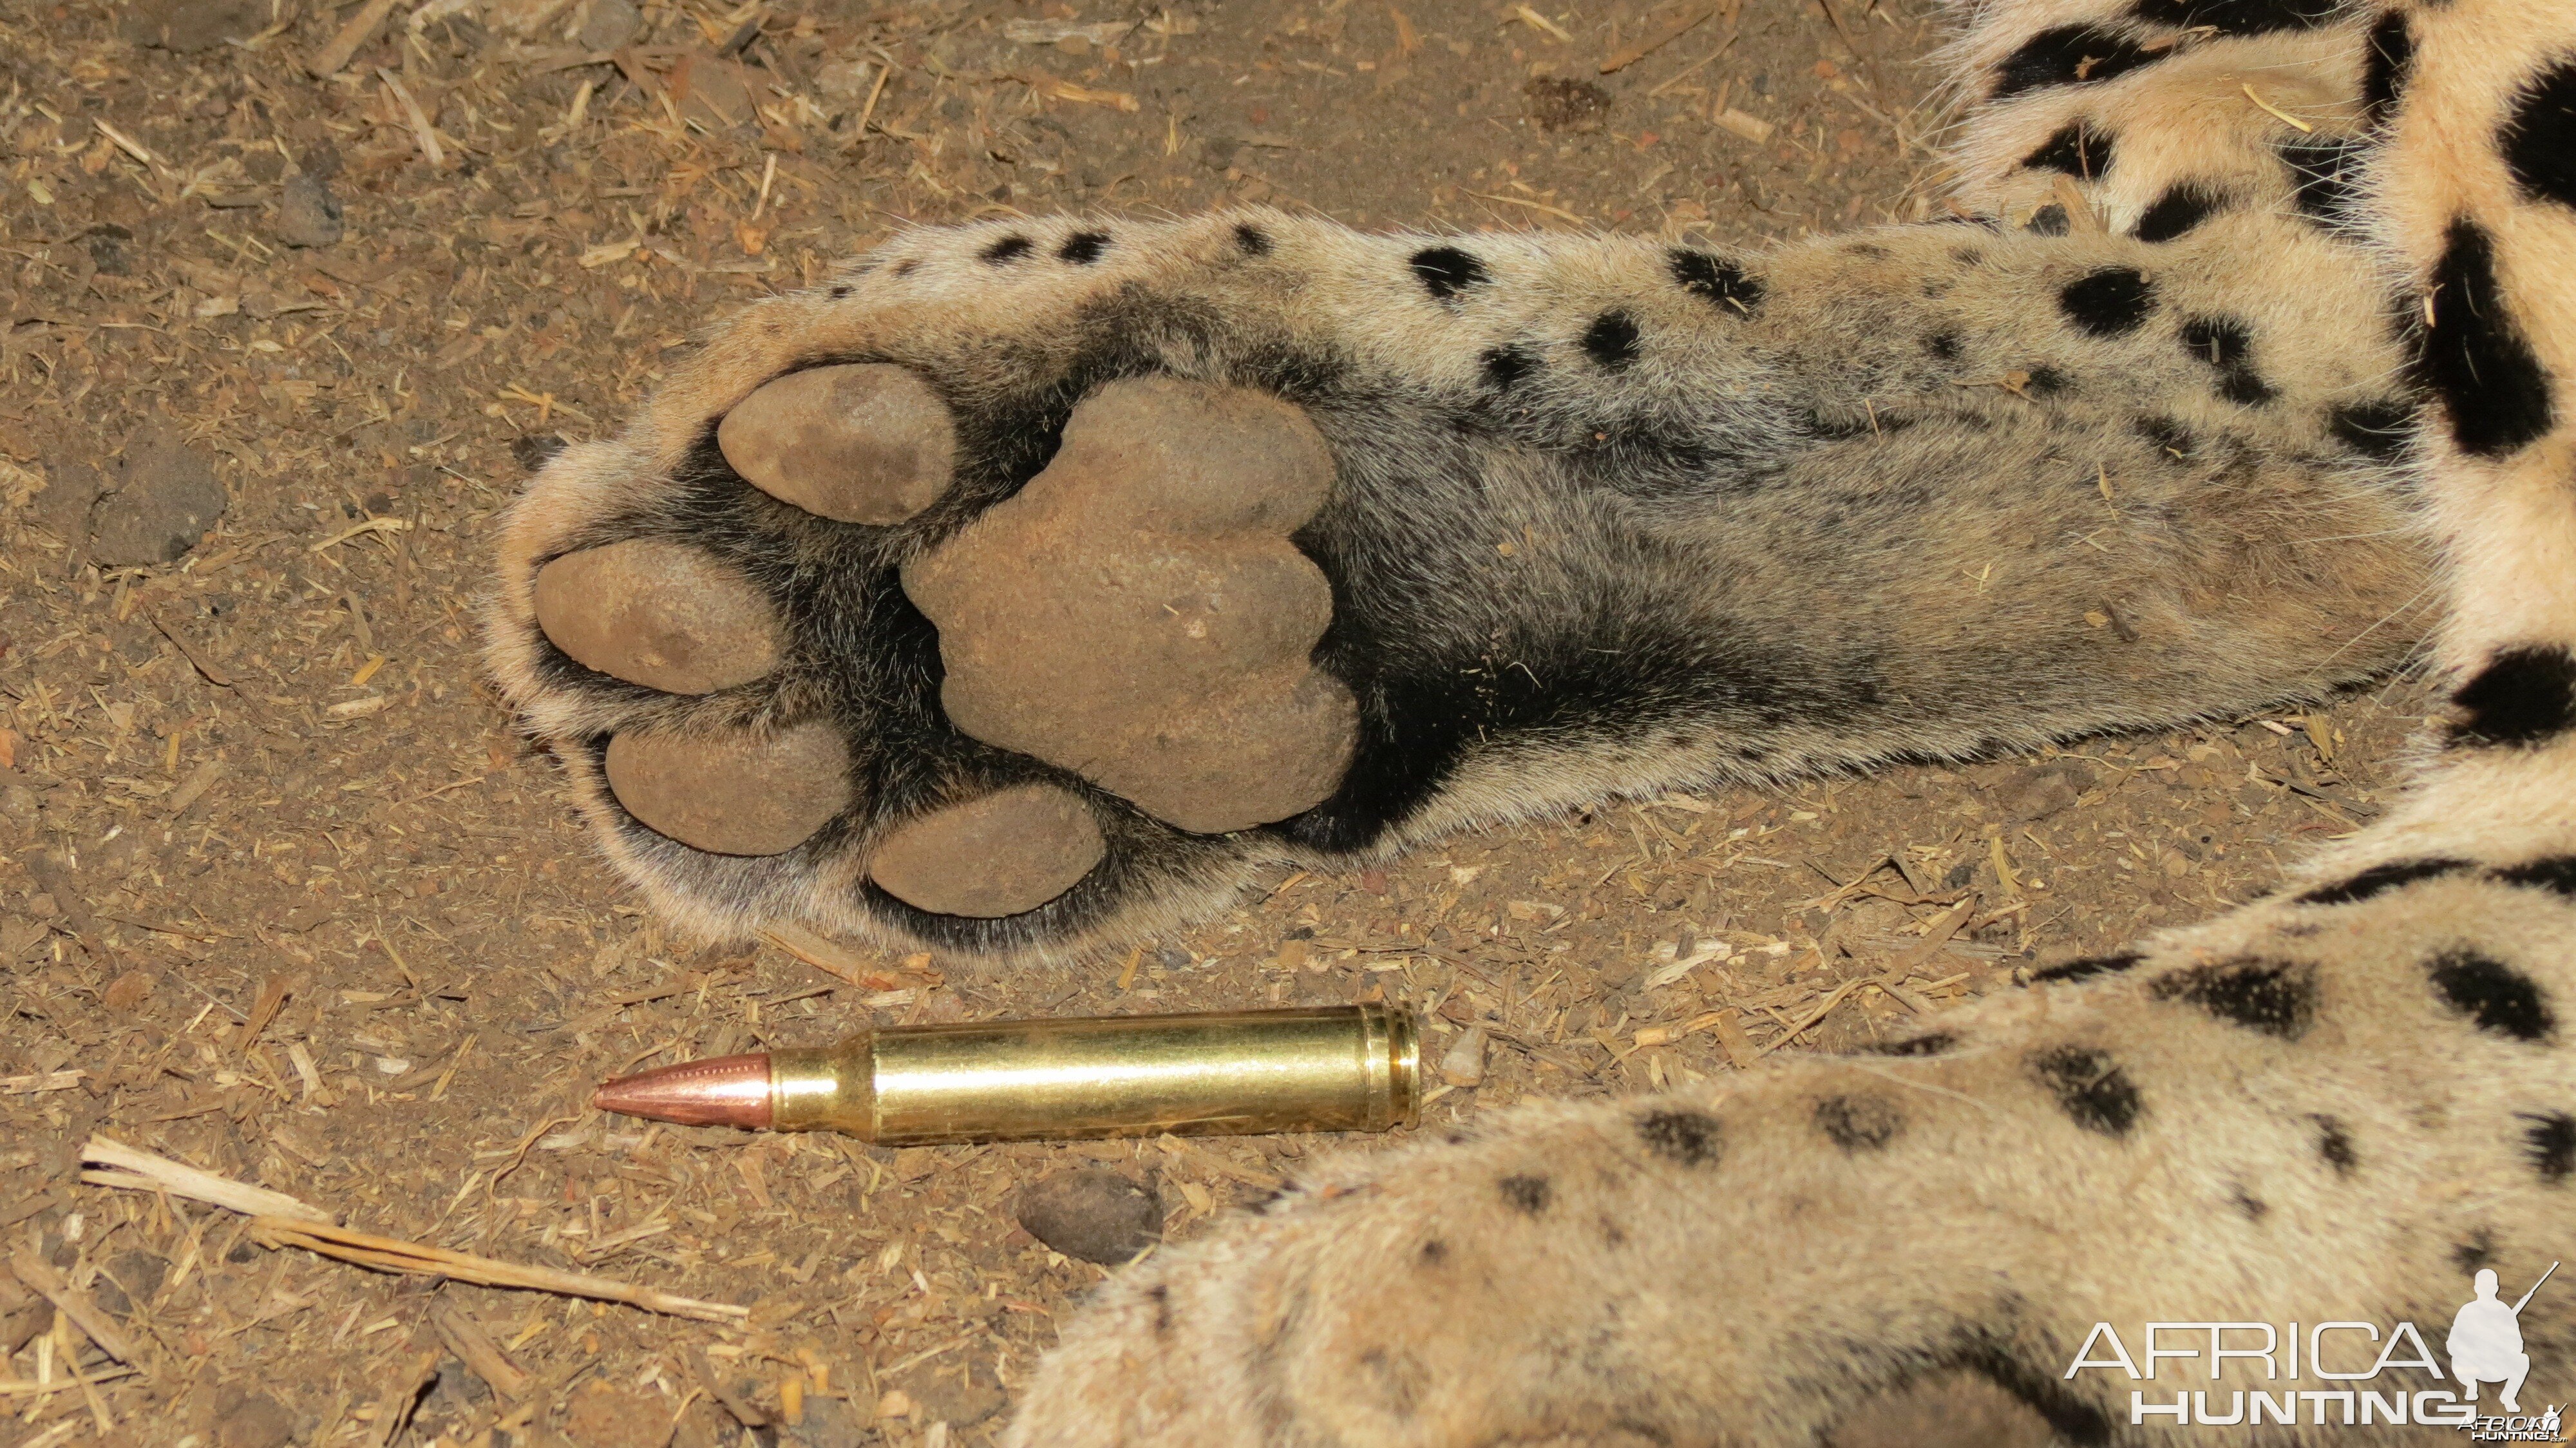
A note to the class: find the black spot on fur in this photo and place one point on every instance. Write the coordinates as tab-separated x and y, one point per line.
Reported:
1083	247
2272	997
2254	1208
1716	279
1611	340
2335	1145
2049	220
1926	1045
2183	206
1008	249
2380	879
1161	1293
2375	429
907	266
1858	1123
2387	64
840	292
1504	366
1688	1137
2166	435
2325	175
2089	1088
2069	55
2077	149
1944	345
2047	381
1433	1253
1527	1193
2525	695
2558	872
2227	345
2085	968
1251	240
1445	271
2238	17
2539	141
2474	358
2493	994
2477	1252
2109	302
1612	1234
2552	1144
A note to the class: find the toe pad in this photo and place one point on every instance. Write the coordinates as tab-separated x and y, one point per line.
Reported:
659	614
860	443
734	793
999	855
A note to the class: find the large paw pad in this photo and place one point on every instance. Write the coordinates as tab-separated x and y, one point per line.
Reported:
1137	614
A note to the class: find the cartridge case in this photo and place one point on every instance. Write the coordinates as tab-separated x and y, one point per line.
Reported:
1338	1068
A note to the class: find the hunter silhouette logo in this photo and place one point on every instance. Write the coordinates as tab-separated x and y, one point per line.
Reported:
2486	1341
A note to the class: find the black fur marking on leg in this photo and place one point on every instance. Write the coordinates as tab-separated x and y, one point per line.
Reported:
2184	205
1445	271
2326	177
2085	968
2552	1144
2069	55
2382	878
2077	149
2075	1421
839	292
2049	220
2226	344
2238	17
2556	872
1858	1123
1083	247
1943	344
1689	1137
2254	1208
1251	240
1527	1193
1434	1252
2108	303
2388	63
1926	1045
2335	1145
2047	381
2474	358
2090	1088
2376	429
1716	279
2525	695
1611	340
1162	1295
1009	249
907	266
2477	1252
2539	142
2168	435
2493	994
2271	997
1504	366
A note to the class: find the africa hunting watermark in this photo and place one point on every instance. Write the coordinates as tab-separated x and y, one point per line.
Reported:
2484	1346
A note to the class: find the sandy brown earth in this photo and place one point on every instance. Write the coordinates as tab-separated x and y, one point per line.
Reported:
281	894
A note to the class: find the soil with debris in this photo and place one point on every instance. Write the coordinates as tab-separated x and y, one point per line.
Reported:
282	896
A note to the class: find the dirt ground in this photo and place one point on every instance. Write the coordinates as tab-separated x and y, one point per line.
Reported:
281	894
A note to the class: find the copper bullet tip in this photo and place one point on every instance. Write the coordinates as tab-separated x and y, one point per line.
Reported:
719	1091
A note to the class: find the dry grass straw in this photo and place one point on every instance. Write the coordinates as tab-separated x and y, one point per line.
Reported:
282	1221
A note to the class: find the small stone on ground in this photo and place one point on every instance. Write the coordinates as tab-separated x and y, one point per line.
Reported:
308	214
1092	1213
